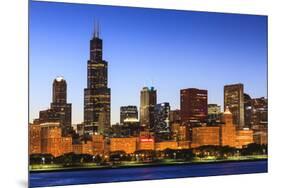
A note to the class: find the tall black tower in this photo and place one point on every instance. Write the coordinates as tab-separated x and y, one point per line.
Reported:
97	93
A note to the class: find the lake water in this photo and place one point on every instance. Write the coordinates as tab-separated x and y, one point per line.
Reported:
144	173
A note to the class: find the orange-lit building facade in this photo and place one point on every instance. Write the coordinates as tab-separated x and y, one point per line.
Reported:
260	137
206	135
87	147
244	137
128	145
46	138
165	145
51	141
83	148
66	145
184	144
77	148
180	132
34	139
98	144
228	130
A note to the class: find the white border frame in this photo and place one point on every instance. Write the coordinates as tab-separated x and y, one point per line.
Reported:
14	91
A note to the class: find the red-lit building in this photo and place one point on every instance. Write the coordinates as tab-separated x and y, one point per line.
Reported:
194	105
146	141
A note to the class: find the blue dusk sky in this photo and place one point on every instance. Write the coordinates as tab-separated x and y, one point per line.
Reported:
167	49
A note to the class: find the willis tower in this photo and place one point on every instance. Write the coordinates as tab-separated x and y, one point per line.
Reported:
97	93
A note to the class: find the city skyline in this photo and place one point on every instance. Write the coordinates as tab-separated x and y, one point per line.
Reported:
119	66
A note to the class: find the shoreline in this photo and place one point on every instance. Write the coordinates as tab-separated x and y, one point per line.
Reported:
145	165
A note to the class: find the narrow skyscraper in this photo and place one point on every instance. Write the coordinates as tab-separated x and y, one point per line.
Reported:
148	101
60	110
60	105
162	127
234	100
97	93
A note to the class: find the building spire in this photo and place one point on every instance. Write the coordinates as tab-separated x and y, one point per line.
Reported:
96	29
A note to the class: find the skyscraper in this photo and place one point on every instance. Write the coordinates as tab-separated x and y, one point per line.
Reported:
60	110
247	110
60	106
194	105
148	101
234	100
162	127
259	112
97	93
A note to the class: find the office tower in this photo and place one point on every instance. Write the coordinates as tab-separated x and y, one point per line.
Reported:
175	116
129	120
234	100
259	113
148	101
128	114
214	112
60	106
59	90
97	93
162	127
247	110
60	110
194	105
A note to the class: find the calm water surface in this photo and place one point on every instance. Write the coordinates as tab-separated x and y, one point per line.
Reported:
144	173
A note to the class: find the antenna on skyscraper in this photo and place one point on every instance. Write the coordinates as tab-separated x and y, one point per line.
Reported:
94	34
98	29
